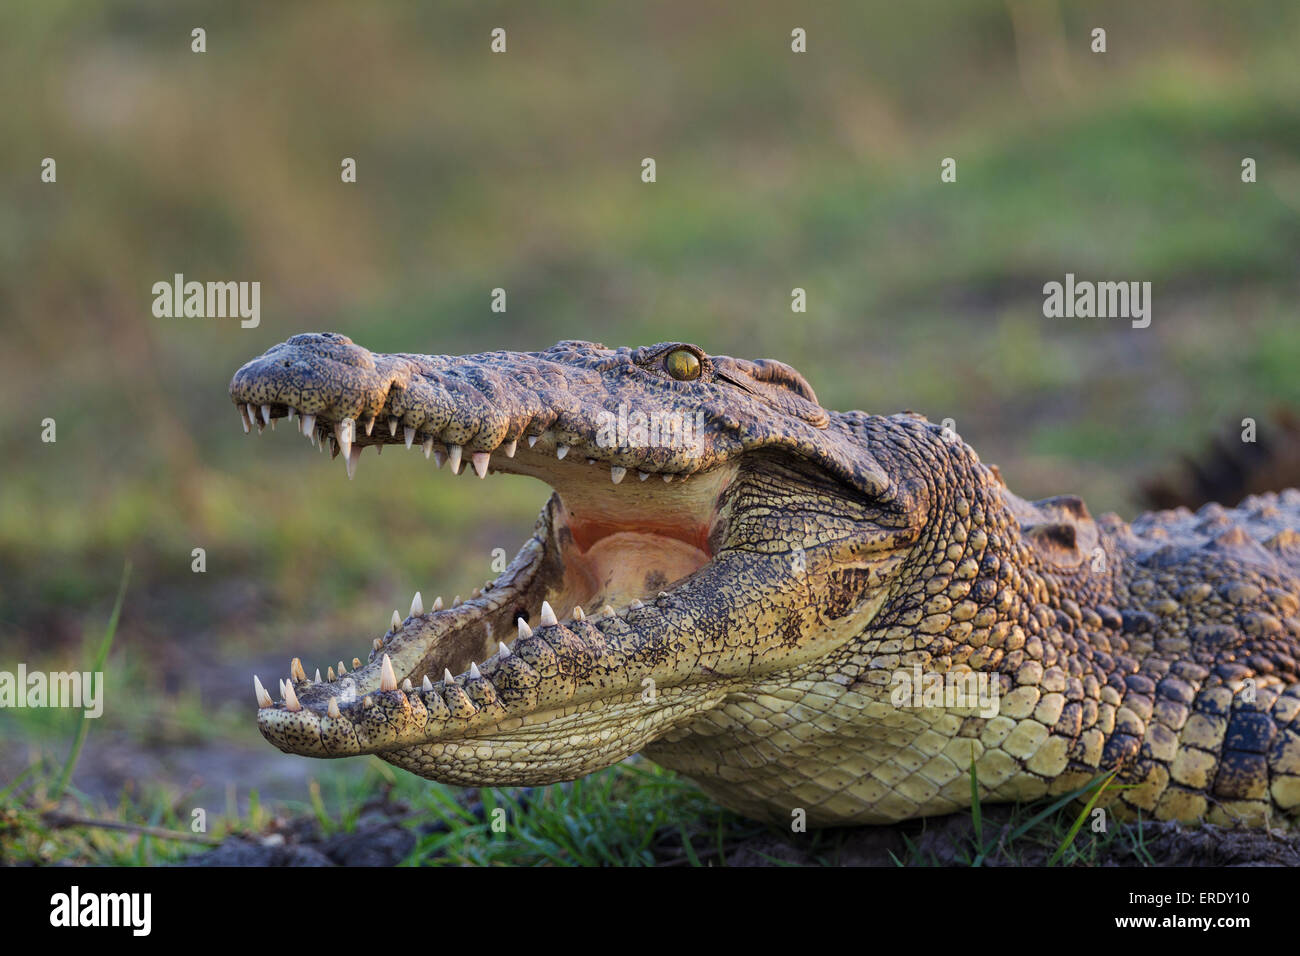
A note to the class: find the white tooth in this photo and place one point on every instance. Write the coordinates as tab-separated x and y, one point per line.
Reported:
243	421
318	675
263	698
417	605
356	663
476	593
591	461
668	479
439	457
252	414
353	456
635	605
343	432
342	670
607	610
291	699
308	425
453	456
428	447
406	685
510	446
447	678
378	645
409	434
396	624
524	629
333	709
548	615
329	675
296	671
561	451
532	440
503	650
392	426
455	602
473	671
387	679
370	425
481	461
437	603
282	683
616	473
578	613
266	414
428	684
643	475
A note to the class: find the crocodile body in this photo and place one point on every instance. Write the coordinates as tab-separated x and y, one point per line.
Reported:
803	610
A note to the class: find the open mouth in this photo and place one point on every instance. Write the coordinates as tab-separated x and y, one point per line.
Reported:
616	535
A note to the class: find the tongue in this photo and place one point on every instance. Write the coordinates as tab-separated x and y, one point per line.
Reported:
628	565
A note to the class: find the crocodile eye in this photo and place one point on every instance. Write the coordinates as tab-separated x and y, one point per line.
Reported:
682	364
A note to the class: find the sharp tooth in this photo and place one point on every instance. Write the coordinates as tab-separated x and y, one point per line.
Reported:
428	447
387	679
408	433
473	671
330	675
378	644
447	678
252	414
243	421
417	605
476	593
510	446
263	698
281	686
635	605
392	426
532	440
354	456
607	610
578	613
591	461
367	702
616	473
370	425
291	699
318	675
453	456
503	650
481	459
439	457
427	684
308	425
406	685
663	594
342	670
455	602
333	709
524	629
668	479
356	663
643	475
437	603
343	435
296	671
561	451
395	624
266	414
548	615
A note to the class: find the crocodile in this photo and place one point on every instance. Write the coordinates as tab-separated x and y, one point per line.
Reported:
836	616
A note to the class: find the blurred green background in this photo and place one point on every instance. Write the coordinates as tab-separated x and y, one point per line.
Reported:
775	170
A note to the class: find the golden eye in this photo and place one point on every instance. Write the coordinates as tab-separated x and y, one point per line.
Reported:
682	364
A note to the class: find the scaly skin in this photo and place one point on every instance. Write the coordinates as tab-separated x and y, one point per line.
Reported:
766	598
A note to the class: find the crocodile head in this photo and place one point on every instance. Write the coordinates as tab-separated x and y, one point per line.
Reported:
718	526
